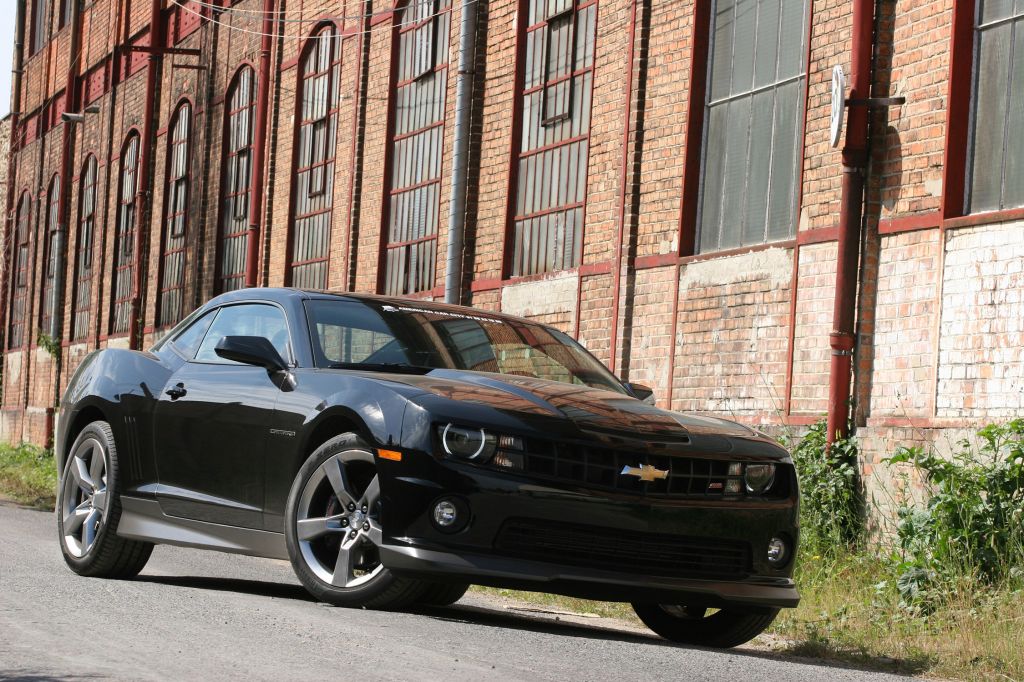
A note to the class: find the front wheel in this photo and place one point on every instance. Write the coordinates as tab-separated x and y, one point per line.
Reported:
333	529
723	628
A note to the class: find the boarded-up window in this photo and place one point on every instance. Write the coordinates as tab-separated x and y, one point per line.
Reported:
314	173
124	237
237	181
752	122
417	144
81	313
19	275
551	175
996	154
176	195
47	302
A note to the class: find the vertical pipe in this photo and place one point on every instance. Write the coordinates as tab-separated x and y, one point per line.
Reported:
460	161
147	163
855	158
259	147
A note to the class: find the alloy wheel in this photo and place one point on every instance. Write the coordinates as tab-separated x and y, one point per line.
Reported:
338	520
84	500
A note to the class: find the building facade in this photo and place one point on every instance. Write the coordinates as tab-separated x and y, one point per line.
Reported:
655	178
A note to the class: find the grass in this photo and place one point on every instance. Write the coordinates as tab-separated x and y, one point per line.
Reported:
850	613
28	475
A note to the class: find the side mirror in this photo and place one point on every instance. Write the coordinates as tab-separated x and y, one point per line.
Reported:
642	393
251	350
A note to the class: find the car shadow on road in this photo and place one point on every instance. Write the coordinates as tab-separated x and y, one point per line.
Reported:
259	588
477	615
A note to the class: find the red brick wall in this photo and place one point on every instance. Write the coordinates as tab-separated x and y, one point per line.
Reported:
744	335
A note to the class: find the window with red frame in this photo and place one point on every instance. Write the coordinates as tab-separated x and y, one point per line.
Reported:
125	260
752	123
995	156
81	313
176	195
237	181
551	173
417	144
40	30
315	153
65	13
19	275
47	302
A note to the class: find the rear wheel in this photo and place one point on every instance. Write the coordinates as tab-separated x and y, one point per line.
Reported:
333	529
89	509
721	628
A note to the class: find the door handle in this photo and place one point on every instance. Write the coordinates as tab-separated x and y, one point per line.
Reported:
176	391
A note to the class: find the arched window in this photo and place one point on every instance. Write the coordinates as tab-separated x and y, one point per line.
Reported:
237	181
172	265
82	307
417	141
19	275
124	237
314	161
48	303
551	176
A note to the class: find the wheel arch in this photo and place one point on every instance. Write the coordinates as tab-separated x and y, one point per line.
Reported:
330	424
85	416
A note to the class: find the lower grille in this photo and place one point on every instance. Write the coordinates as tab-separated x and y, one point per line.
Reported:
664	555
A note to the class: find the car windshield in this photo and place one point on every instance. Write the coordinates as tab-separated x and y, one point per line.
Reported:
384	337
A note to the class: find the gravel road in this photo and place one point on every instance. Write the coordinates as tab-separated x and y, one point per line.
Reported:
211	616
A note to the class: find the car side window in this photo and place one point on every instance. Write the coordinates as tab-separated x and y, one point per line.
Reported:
250	319
187	342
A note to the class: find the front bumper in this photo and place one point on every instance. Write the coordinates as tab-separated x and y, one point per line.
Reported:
496	498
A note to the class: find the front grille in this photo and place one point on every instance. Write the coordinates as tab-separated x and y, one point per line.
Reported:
655	554
601	468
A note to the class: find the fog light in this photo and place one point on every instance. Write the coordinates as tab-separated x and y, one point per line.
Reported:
777	552
445	514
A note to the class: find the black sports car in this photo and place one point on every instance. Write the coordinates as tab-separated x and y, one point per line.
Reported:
397	451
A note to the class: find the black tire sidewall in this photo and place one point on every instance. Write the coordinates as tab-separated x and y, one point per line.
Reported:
725	629
358	596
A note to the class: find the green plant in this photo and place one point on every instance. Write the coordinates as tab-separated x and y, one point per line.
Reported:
972	523
28	475
48	343
832	516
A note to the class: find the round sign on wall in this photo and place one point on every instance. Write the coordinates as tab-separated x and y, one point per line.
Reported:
838	104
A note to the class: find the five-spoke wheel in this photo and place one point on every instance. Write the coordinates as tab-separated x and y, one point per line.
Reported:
334	533
84	498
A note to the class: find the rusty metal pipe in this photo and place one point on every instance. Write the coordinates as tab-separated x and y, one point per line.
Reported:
259	146
855	159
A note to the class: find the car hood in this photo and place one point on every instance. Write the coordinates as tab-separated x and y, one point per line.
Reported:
591	409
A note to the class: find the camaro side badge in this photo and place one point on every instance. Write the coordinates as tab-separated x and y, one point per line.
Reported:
281	432
645	472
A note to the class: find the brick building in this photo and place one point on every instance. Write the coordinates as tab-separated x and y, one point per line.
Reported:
655	178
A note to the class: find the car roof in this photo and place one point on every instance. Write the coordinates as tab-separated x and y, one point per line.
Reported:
281	294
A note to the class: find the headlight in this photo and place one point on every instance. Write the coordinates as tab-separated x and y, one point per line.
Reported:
759	477
467	443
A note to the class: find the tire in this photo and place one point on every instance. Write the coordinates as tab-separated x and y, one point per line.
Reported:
333	514
442	594
89	510
723	629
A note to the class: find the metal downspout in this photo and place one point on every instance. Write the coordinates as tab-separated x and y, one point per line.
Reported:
460	162
855	158
147	161
259	151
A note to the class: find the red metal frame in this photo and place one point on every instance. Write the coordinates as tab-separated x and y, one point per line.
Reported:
255	234
958	109
124	203
700	41
225	194
49	269
173	244
20	274
330	153
520	92
88	252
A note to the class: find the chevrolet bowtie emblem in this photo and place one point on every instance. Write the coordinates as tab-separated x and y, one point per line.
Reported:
645	472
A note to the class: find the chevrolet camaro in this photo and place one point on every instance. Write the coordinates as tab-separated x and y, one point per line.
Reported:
396	451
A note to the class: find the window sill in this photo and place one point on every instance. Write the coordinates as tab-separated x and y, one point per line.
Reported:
986	218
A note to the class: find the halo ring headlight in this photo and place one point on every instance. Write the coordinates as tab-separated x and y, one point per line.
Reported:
759	477
462	442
